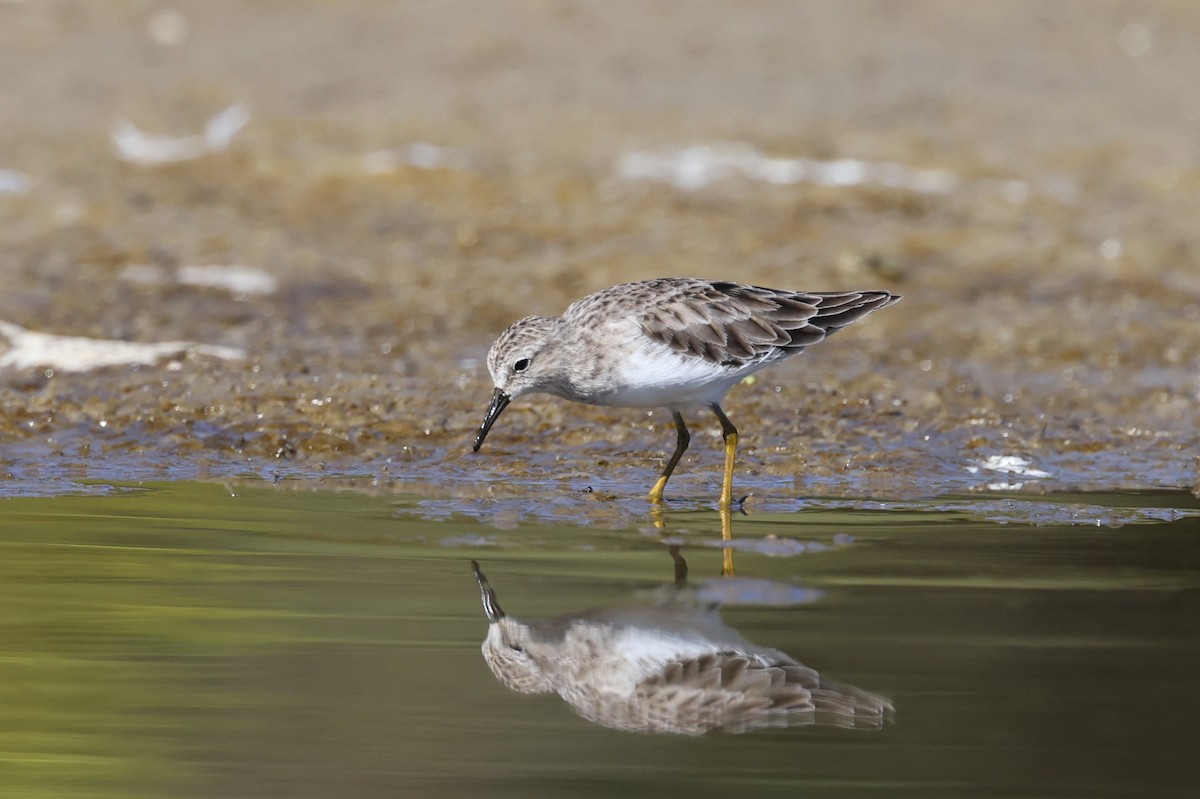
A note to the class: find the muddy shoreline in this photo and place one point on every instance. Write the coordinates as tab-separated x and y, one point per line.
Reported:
409	182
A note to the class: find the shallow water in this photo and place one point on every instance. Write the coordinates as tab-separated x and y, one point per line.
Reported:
200	639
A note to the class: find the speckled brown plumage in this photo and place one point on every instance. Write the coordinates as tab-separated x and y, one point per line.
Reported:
674	668
670	342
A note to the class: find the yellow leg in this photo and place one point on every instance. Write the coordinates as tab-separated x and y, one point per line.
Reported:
657	517
682	439
730	434
726	536
657	492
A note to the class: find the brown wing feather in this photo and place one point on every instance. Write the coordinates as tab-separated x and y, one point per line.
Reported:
734	324
729	691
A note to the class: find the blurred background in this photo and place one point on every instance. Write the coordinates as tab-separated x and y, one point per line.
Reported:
250	247
321	214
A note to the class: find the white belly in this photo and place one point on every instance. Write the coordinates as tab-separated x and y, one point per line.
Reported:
651	375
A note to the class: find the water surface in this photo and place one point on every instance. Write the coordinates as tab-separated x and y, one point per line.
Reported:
198	639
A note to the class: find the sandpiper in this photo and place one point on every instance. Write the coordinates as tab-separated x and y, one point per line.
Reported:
676	668
678	343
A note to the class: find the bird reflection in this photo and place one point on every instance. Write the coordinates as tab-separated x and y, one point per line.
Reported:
674	668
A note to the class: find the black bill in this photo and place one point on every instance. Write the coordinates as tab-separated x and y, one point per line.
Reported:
490	606
499	402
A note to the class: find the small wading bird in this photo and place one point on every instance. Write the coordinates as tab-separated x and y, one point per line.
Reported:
678	343
676	668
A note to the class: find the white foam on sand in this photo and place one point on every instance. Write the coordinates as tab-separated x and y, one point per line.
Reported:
237	279
14	181
698	166
29	349
1007	464
1010	464
419	155
147	149
701	165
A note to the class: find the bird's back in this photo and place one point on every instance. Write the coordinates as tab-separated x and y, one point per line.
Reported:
723	323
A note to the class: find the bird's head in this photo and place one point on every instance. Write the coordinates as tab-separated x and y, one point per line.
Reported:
517	366
505	648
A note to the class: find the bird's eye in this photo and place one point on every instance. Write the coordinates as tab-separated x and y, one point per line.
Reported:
521	365
516	647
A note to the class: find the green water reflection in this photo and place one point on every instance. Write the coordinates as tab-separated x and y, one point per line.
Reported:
201	640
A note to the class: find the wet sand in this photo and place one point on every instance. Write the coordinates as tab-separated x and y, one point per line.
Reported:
413	178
